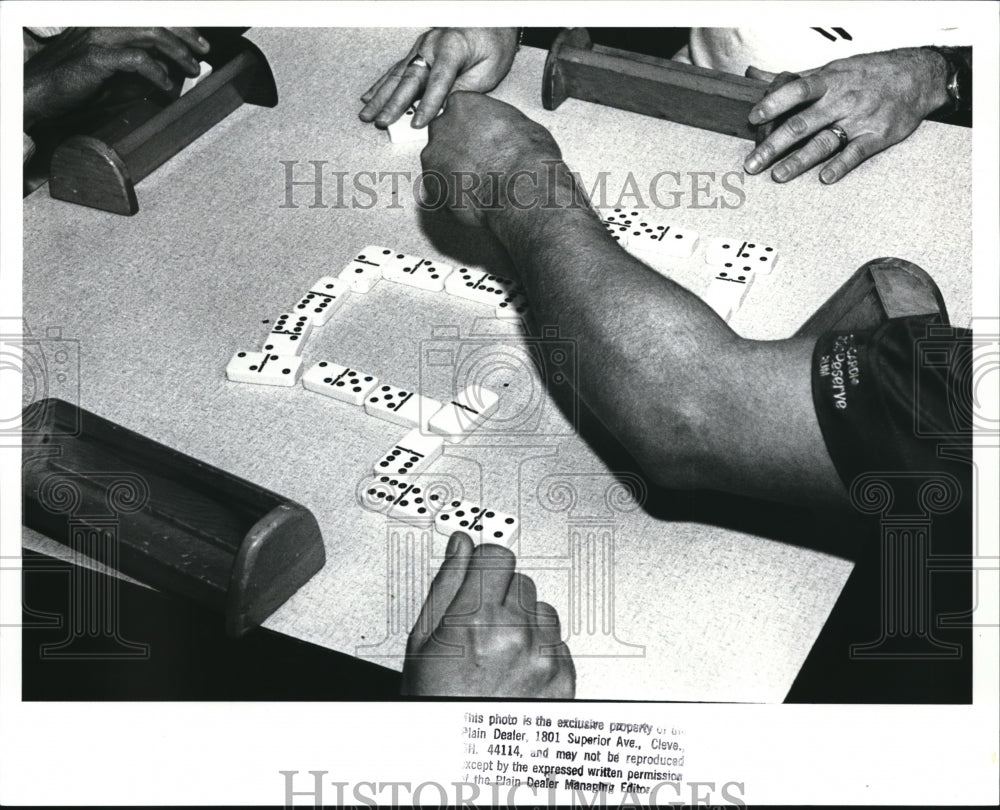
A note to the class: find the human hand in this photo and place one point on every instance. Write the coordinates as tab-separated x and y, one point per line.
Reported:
487	153
878	99
73	66
474	59
482	632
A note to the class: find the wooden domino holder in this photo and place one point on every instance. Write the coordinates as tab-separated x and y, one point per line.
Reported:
674	91
168	520
102	170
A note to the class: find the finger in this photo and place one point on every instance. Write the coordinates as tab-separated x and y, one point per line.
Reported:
392	76
853	155
757	73
818	149
387	86
445	585
371	91
787	97
439	84
486	580
563	682
409	89
521	594
547	620
798	126
194	40
133	60
173	47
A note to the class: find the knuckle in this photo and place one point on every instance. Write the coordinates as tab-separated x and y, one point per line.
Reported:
766	152
797	125
810	86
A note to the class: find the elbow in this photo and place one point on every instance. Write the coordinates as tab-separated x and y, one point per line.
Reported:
674	448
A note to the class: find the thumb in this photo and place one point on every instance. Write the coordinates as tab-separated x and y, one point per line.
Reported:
757	73
446	583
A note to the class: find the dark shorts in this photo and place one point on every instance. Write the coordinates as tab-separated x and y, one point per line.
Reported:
894	406
890	398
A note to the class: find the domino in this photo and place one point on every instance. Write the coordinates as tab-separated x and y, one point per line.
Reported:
402	131
323	299
483	525
741	255
726	292
463	516
289	335
513	305
264	368
406	408
398	498
191	82
364	271
617	223
339	382
414	453
479	286
464	414
649	236
498	527
424	274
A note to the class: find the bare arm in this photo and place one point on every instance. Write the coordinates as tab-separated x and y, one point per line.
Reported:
697	405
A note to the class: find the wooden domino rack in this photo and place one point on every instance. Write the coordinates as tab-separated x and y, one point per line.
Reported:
685	94
103	169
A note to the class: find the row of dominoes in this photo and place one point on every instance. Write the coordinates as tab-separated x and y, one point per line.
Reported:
375	263
277	363
412	501
738	261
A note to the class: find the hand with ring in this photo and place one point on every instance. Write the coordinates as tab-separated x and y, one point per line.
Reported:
846	111
441	61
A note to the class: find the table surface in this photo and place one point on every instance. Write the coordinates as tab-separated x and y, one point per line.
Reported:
713	598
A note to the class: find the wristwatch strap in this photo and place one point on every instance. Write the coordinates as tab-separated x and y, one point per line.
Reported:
959	76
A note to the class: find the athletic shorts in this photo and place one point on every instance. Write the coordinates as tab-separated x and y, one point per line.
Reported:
889	399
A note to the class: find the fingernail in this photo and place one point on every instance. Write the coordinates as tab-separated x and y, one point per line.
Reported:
203	42
452	545
756	116
781	173
827	176
753	164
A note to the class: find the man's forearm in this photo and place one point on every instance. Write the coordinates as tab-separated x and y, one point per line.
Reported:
643	342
